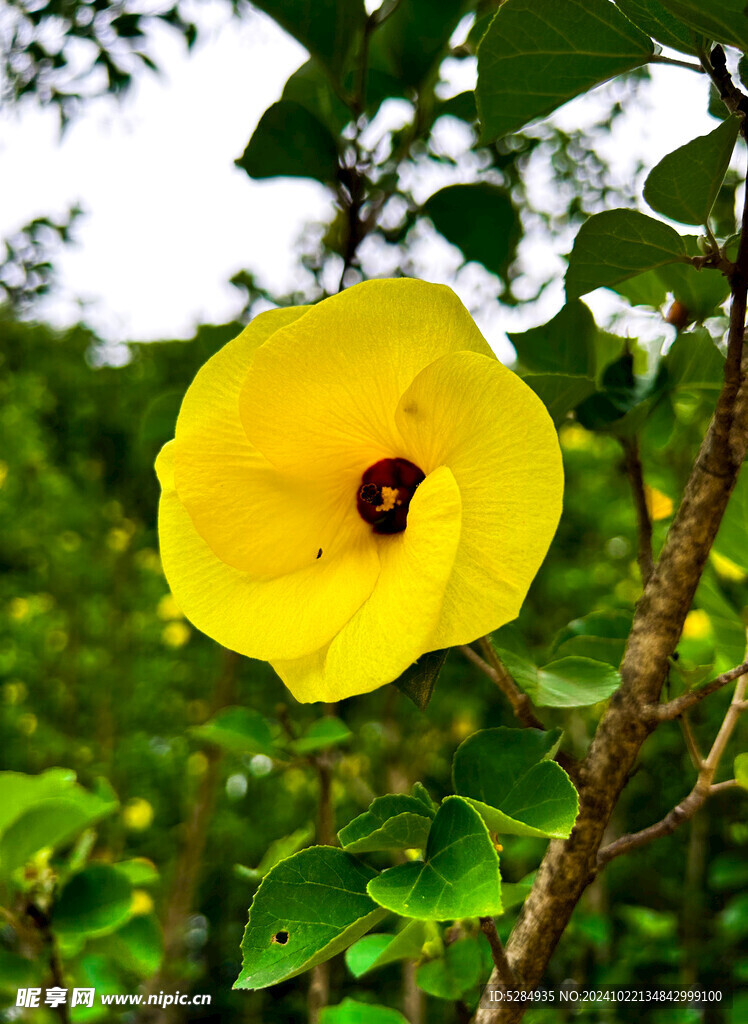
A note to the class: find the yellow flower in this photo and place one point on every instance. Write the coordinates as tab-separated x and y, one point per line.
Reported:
355	483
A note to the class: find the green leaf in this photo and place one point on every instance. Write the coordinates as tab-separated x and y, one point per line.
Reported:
507	776
278	850
694	361
565	345
537	54
452	975
741	770
601	636
394	822
418	681
239	730
94	901
647	289
352	1012
702	292
321	735
310	87
378	950
724	21
566	683
728	626
44	811
290	142
139	871
685	183
658	22
733	531
559	392
307	909
414	38
617	244
328	29
137	947
514	894
459	876
480	220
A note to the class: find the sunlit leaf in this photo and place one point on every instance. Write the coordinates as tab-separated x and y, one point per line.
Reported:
394	822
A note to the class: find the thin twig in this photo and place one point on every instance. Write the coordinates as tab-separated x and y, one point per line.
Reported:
658	58
693	747
633	465
674	708
719	787
506	975
702	790
495	669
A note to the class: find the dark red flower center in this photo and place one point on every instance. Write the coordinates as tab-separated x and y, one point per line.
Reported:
385	493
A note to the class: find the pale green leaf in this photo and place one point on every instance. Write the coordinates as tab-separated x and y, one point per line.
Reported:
537	54
459	876
684	185
307	909
278	850
741	770
617	244
452	975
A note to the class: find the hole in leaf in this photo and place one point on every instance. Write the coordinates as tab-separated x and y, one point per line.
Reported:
281	938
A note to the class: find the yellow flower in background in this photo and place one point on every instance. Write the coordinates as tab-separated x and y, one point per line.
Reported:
355	483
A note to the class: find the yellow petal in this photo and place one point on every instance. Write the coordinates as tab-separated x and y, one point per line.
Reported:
391	630
321	394
253	517
470	413
287	617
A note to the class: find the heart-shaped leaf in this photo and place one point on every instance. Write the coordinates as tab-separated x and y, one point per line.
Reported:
566	683
458	878
307	909
507	776
393	822
617	244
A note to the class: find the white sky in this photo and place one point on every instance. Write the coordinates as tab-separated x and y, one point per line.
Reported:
169	218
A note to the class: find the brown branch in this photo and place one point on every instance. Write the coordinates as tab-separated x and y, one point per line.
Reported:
569	866
676	707
698	796
633	466
493	667
318	995
506	975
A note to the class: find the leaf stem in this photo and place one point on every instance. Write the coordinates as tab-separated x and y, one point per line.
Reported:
659	58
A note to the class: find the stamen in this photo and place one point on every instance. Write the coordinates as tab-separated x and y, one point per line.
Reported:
385	494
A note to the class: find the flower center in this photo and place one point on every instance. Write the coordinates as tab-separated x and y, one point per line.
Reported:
385	493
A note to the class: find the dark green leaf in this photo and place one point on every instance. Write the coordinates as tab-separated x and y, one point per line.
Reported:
658	22
480	220
452	975
458	878
412	40
507	775
352	1012
94	901
566	683
310	87
724	21
617	244
290	142
566	344
240	730
685	183
321	735
537	54
418	681
647	289
307	909
381	949
329	29
559	392
394	822
694	361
